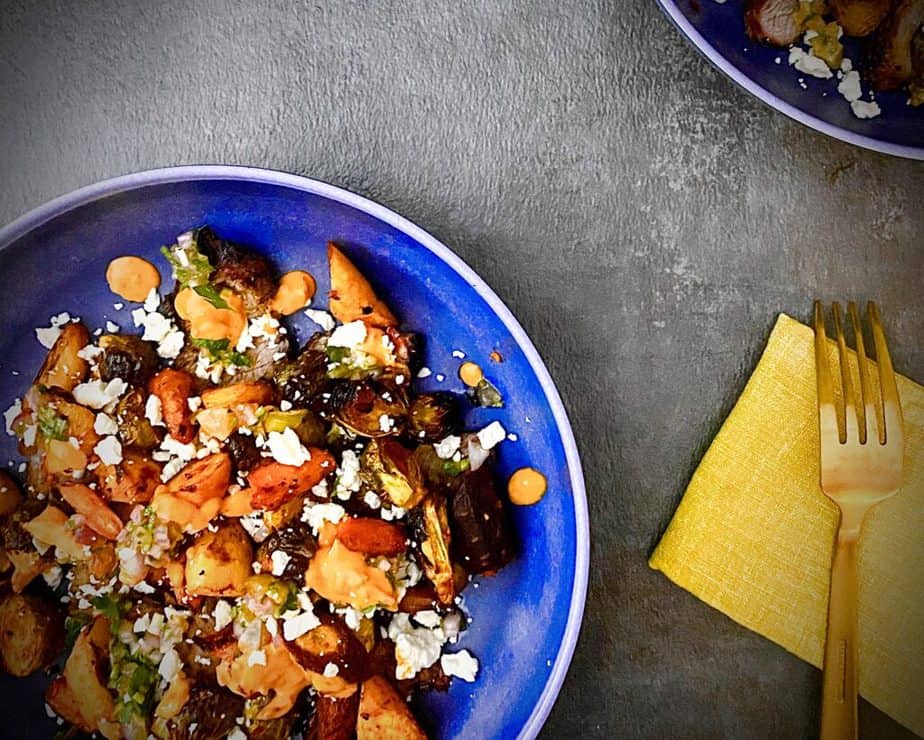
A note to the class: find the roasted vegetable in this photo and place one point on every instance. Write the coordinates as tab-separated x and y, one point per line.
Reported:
433	416
127	357
209	714
335	719
372	537
86	502
303	379
132	481
174	389
889	60
772	21
203	479
31	634
53	528
10	495
134	428
174	698
218	563
367	409
482	539
431	526
257	392
64	368
331	642
296	543
238	268
351	295
390	468
280	728
859	17
274	484
384	715
243	451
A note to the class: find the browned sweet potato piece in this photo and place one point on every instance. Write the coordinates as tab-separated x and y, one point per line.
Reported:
85	674
86	502
174	389
889	64
274	484
331	642
772	21
384	715
335	719
132	481
202	479
10	495
64	368
258	391
372	536
351	296
859	17
31	634
218	563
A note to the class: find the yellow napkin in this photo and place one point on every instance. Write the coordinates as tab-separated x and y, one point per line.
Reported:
753	535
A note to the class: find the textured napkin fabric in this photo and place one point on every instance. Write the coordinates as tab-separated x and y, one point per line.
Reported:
753	535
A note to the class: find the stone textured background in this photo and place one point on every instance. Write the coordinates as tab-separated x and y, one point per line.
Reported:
644	219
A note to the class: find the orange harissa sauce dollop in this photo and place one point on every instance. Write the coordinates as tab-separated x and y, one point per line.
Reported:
132	278
526	486
471	374
208	322
295	291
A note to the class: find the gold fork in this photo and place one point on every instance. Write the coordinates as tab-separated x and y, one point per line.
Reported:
862	446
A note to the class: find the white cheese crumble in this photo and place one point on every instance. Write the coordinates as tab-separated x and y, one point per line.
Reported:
350	335
491	435
105	424
112	327
257	657
286	448
461	665
331	670
109	450
97	395
416	648
153	411
47	336
864	109
222	614
428	618
810	64
280	560
298	624
10	415
372	500
316	514
161	330
424	372
255	526
321	318
447	447
348	481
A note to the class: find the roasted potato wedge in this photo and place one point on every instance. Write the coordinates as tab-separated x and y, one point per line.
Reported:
27	566
174	389
86	675
218	563
335	719
31	634
351	296
274	484
331	642
132	481
258	392
384	715
64	368
203	479
51	527
86	502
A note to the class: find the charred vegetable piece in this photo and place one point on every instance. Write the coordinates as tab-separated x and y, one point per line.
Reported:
433	416
203	479
372	537
302	379
258	392
298	546
389	467
85	678
218	563
368	410
859	17
86	502
272	729
64	368
384	715
431	526
330	642
134	427
772	21
236	267
482	538
351	295
274	484
31	634
132	481
174	389
889	62
335	719
127	357
209	714
244	452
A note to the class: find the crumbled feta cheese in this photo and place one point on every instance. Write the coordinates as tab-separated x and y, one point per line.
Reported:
372	500
864	109
351	335
331	670
428	618
141	624
89	353
152	301
461	665
491	435
395	512
118	306
255	526
112	327
424	372
142	587
158	328
458	354
850	86
170	665
386	423
321	318
286	448
257	657
49	335
352	617
280	560
447	447
415	648
222	614
97	395
236	734
153	411
440	377
316	514
810	64
105	424
285	405
109	450
297	625
348	481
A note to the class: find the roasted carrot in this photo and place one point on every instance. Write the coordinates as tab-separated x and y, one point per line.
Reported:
372	536
174	388
86	502
273	484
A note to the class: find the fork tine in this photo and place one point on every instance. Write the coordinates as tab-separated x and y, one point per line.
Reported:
869	425
891	405
850	403
827	416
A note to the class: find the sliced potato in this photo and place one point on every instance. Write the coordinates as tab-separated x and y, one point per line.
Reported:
132	481
174	389
351	296
384	715
174	698
63	702
86	502
64	368
203	479
218	563
258	392
86	676
31	634
335	719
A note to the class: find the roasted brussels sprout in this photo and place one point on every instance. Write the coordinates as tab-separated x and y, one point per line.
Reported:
31	634
298	547
482	538
210	714
244	452
367	409
127	357
134	427
433	416
272	729
431	526
236	267
389	468
302	379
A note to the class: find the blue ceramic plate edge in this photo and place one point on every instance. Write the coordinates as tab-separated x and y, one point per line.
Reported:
42	214
718	60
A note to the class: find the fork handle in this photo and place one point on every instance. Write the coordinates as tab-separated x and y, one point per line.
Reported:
840	681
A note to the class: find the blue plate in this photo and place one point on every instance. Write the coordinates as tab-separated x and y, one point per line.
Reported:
717	30
525	620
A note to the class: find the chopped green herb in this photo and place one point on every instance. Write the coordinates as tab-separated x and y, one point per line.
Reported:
338	354
72	626
456	467
219	351
51	425
211	294
486	394
192	271
110	607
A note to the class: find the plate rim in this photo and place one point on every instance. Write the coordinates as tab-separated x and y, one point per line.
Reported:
724	65
184	173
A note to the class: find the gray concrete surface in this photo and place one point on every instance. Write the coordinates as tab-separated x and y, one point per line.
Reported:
644	219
